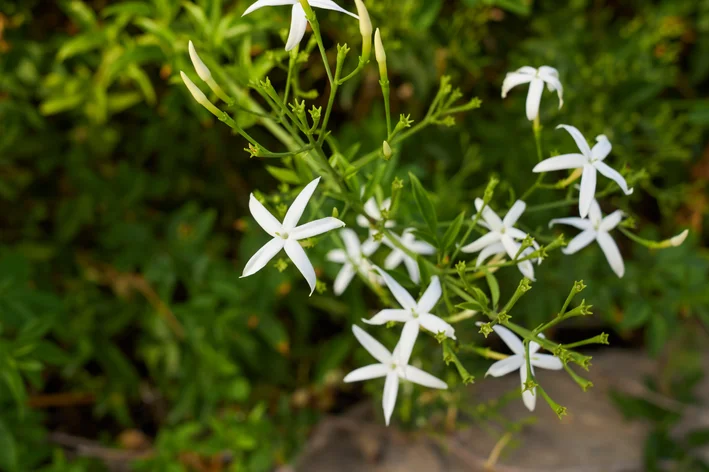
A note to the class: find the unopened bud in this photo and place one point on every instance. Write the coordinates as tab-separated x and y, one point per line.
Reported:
679	239
202	70
199	96
381	55
386	149
365	29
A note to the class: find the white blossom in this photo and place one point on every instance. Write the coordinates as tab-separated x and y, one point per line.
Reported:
287	234
397	255
374	211
503	237
596	228
536	78
353	259
393	366
590	160
518	360
299	22
412	314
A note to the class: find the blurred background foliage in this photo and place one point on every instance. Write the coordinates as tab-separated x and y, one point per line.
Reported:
123	230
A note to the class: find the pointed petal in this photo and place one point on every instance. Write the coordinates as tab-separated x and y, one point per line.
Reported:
394	259
298	25
368	372
337	255
578	137
390	314
343	279
436	325
534	346
588	189
534	98
263	217
576	222
421	247
362	221
527	269
551	77
301	261
298	207
515	233
482	242
431	296
610	249
510	245
511	339
403	349
412	268
391	389
547	71
262	257
488	251
489	215
505	366
315	228
611	221
402	296
371	208
513	79
416	375
580	241
374	347
529	398
594	214
514	213
546	361
351	240
602	148
330	5
614	175
565	161
267	3
369	247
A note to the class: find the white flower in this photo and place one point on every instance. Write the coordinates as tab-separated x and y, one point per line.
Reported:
502	237
374	211
536	79
299	22
595	228
591	160
393	366
518	360
397	256
412	314
353	259
287	235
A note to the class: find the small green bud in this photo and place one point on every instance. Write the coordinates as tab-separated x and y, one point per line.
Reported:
386	150
320	287
281	264
485	329
490	189
335	212
503	317
390	324
440	336
579	286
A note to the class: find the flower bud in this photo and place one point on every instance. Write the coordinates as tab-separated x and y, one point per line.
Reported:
679	239
381	55
365	29
201	69
386	149
199	96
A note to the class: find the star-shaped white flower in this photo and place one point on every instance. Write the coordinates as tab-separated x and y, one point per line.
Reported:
518	360
412	314
287	234
596	228
503	237
374	211
353	259
299	22
591	160
393	366
397	255
536	79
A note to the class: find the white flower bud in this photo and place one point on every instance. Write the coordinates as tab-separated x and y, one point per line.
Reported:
199	96
379	48
386	149
202	70
365	28
679	239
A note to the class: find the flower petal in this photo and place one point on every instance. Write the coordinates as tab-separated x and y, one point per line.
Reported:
413	269
403	349
529	398
402	296
315	228
369	247
576	222
390	314
371	208
594	214
298	25
343	279
436	325
394	259
491	250
588	189
391	389
580	241
301	261
513	79
534	98
431	296
602	148
374	347
546	361
511	339
362	221
267	3
614	175
510	245
527	269
368	372
578	137
262	257
330	5
263	217
421	247
551	77
337	255
416	375
301	201
505	366
351	241
482	242
610	249
611	221
565	161
514	213
515	233
489	215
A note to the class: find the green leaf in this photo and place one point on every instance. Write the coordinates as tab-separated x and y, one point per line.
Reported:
128	8
452	232
494	288
197	14
8	449
284	175
425	205
80	13
62	103
475	306
80	44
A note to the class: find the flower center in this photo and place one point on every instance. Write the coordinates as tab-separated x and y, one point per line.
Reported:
414	314
283	235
